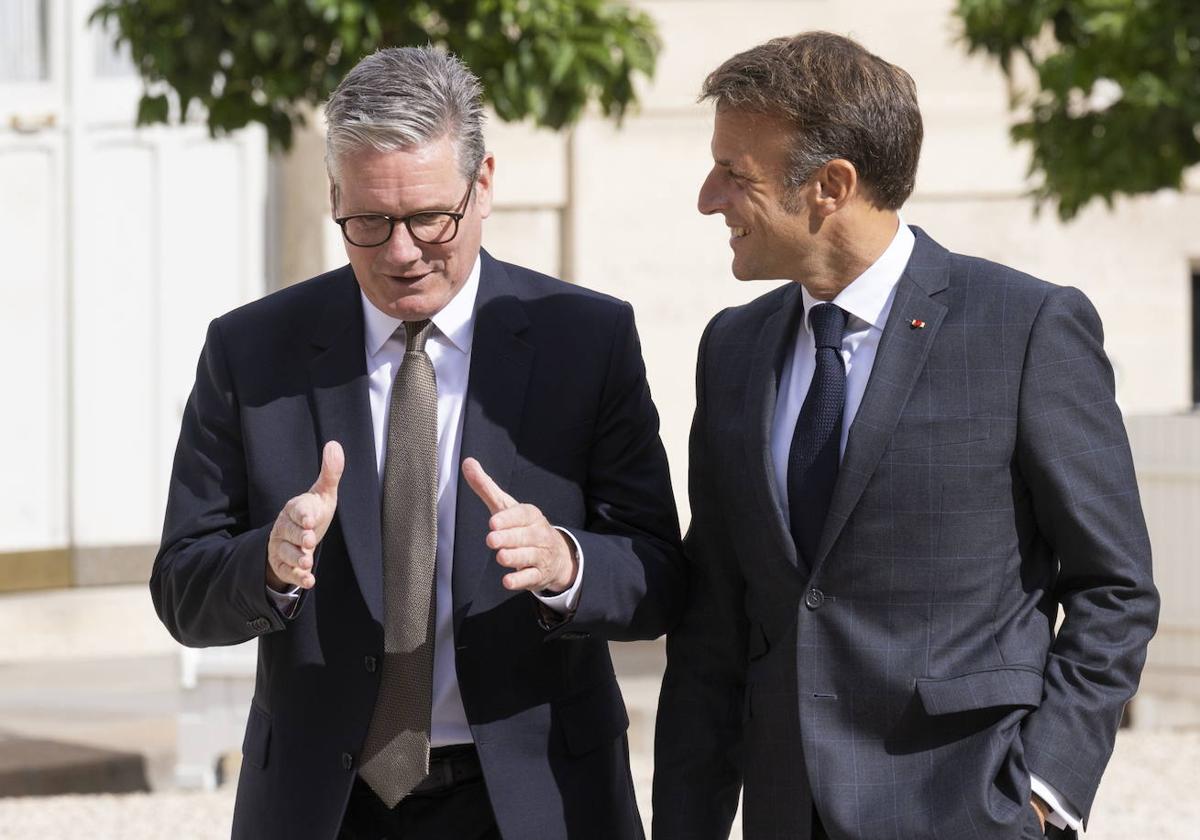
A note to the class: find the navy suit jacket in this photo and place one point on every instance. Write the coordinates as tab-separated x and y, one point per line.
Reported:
559	412
908	681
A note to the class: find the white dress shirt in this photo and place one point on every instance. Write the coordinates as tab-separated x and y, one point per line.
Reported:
867	301
449	348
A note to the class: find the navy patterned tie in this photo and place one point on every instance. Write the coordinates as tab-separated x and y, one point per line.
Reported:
813	458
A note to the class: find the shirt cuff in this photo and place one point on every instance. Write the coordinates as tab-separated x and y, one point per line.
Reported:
1061	815
565	602
285	602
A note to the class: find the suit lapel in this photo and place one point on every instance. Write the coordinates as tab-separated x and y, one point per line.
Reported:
501	364
762	394
341	403
898	362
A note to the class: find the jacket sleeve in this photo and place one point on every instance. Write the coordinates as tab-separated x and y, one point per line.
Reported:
209	579
633	584
697	765
1074	456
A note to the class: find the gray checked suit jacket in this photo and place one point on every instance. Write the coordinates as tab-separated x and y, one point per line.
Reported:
907	683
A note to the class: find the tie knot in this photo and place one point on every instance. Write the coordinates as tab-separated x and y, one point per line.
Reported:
416	333
828	323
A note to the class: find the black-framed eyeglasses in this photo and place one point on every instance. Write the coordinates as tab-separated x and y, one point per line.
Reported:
431	227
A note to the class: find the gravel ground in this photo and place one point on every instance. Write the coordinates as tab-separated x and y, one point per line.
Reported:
1149	791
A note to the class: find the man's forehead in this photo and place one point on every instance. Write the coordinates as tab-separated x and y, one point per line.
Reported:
740	137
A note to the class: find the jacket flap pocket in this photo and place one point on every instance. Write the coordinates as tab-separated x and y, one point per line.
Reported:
593	718
939	431
258	738
981	690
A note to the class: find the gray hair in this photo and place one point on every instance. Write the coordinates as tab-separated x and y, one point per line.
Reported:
404	97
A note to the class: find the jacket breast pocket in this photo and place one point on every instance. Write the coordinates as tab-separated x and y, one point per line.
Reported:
258	738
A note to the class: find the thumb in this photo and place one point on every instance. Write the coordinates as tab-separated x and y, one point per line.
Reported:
333	461
485	488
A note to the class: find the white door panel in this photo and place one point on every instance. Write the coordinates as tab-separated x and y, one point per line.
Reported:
32	399
115	336
33	242
119	245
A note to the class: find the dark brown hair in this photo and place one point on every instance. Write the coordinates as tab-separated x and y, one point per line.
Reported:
842	101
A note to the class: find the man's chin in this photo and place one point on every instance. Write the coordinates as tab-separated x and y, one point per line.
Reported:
410	307
744	273
413	310
418	306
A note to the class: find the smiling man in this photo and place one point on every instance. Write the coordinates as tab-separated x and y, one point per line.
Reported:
431	484
903	464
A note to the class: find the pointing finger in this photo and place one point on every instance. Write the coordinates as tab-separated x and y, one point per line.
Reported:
485	488
333	462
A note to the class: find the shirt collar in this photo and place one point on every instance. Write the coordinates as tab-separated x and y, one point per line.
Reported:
455	321
868	295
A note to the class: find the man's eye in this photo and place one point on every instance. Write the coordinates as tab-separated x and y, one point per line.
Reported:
430	224
368	224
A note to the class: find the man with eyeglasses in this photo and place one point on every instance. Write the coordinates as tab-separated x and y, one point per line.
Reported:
431	483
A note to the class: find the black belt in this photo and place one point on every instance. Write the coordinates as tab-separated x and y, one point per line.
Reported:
450	766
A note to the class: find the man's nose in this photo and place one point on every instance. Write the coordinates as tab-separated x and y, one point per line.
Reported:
710	199
401	247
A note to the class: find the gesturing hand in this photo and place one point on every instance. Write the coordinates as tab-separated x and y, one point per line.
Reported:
302	524
523	539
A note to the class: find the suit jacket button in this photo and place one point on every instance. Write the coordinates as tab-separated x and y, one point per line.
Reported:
259	625
370	663
814	598
347	761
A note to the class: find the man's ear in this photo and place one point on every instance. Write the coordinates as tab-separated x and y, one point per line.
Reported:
333	198
483	185
836	184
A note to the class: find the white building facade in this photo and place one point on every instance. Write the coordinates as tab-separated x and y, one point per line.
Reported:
121	244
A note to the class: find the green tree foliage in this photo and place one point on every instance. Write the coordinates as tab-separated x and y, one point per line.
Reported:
1116	104
263	61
